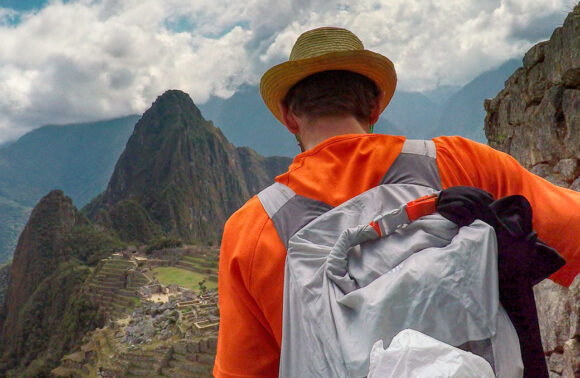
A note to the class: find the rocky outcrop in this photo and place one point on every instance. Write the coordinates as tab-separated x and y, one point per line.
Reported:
179	176
536	119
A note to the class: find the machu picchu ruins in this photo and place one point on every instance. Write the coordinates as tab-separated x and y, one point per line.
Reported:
152	328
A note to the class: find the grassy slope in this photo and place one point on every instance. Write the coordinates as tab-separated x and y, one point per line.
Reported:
182	277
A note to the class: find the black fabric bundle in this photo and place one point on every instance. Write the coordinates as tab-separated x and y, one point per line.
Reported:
523	260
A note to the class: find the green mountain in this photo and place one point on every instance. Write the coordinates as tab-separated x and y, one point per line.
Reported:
44	313
4	278
13	217
179	177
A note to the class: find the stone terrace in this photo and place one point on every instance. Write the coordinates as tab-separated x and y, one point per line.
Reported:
115	284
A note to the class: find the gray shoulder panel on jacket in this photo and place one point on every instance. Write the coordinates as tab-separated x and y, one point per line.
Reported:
295	214
416	164
288	211
274	197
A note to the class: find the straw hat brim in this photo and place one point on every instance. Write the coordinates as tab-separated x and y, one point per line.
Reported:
279	79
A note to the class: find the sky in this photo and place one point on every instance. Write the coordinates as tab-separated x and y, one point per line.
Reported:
85	60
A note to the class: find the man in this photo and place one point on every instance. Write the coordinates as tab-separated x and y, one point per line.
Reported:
329	94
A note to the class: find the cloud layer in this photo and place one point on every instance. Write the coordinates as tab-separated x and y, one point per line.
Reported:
93	59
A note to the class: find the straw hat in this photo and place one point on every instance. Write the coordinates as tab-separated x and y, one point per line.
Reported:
326	49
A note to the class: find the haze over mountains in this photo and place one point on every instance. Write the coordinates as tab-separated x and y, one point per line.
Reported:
79	159
76	158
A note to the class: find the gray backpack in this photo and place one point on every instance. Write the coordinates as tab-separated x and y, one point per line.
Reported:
367	269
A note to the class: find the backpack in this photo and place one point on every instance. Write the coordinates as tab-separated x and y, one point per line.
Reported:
383	262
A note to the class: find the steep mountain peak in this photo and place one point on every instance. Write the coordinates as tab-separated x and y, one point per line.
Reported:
173	109
178	176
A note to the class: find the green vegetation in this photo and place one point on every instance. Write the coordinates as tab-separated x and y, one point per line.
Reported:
52	321
132	223
48	314
90	244
182	277
78	159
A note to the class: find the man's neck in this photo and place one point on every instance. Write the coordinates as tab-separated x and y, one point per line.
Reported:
317	131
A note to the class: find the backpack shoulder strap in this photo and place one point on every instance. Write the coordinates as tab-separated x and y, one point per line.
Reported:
289	211
416	164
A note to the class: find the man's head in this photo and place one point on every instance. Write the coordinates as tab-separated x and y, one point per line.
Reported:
332	94
329	73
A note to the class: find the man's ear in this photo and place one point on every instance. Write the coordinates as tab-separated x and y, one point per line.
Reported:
376	111
289	118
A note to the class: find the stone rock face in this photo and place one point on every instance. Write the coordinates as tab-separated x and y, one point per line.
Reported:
536	119
559	315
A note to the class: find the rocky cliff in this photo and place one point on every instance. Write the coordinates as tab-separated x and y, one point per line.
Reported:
536	119
179	177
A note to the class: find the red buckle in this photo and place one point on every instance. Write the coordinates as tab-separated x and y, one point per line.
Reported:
377	228
421	206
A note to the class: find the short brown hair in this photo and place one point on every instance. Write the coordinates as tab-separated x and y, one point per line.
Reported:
333	93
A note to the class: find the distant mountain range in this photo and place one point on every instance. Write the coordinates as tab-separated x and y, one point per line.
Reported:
245	121
80	158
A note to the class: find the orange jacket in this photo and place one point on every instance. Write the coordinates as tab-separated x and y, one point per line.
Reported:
251	271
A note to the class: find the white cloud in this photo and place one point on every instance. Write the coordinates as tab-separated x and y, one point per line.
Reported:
93	59
438	42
